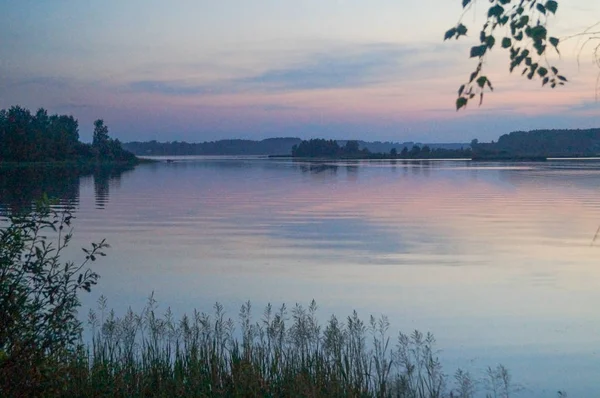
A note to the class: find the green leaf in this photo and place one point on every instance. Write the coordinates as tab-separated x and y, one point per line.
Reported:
552	6
542	71
478	51
450	34
495	11
461	89
481	81
540	48
461	30
554	41
461	102
523	21
473	76
506	42
541	8
538	32
466	3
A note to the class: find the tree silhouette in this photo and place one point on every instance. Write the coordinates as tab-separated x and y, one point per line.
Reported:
351	148
100	138
42	138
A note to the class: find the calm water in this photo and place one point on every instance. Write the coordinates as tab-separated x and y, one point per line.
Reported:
495	259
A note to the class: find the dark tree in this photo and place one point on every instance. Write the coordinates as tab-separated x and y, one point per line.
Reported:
42	138
317	148
415	151
351	148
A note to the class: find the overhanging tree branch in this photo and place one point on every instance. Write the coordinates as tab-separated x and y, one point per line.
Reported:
518	26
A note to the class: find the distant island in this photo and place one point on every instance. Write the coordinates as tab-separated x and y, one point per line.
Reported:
39	137
537	145
271	146
321	148
540	144
233	147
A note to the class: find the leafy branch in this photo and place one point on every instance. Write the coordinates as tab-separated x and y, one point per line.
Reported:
525	37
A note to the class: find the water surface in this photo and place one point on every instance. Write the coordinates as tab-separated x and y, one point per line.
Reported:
495	259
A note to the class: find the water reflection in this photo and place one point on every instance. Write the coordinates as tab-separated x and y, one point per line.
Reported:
21	186
494	258
104	177
317	168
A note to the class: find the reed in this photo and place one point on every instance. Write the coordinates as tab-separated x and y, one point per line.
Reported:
283	353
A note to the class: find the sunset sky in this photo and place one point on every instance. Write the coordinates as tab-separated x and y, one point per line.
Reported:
199	70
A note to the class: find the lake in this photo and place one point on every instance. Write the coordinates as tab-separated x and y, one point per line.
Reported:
496	259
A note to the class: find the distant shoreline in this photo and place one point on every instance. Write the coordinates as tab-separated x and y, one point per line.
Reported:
75	163
167	159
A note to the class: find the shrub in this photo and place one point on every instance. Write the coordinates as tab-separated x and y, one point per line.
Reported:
38	299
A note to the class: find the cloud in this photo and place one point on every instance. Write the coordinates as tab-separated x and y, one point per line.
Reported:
49	82
367	65
169	88
586	106
345	67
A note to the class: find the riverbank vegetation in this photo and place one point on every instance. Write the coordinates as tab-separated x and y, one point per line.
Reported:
546	143
534	145
276	147
40	137
233	147
330	149
281	353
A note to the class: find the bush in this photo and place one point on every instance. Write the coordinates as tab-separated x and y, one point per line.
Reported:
38	300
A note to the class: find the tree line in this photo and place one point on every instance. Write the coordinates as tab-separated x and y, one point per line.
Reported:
322	148
40	137
547	143
270	146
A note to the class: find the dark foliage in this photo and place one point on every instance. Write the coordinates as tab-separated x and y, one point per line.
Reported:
39	329
525	36
25	137
270	146
321	148
547	143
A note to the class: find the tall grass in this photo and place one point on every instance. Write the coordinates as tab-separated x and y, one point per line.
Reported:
285	353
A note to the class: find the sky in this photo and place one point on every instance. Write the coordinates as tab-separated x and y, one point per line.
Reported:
199	70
